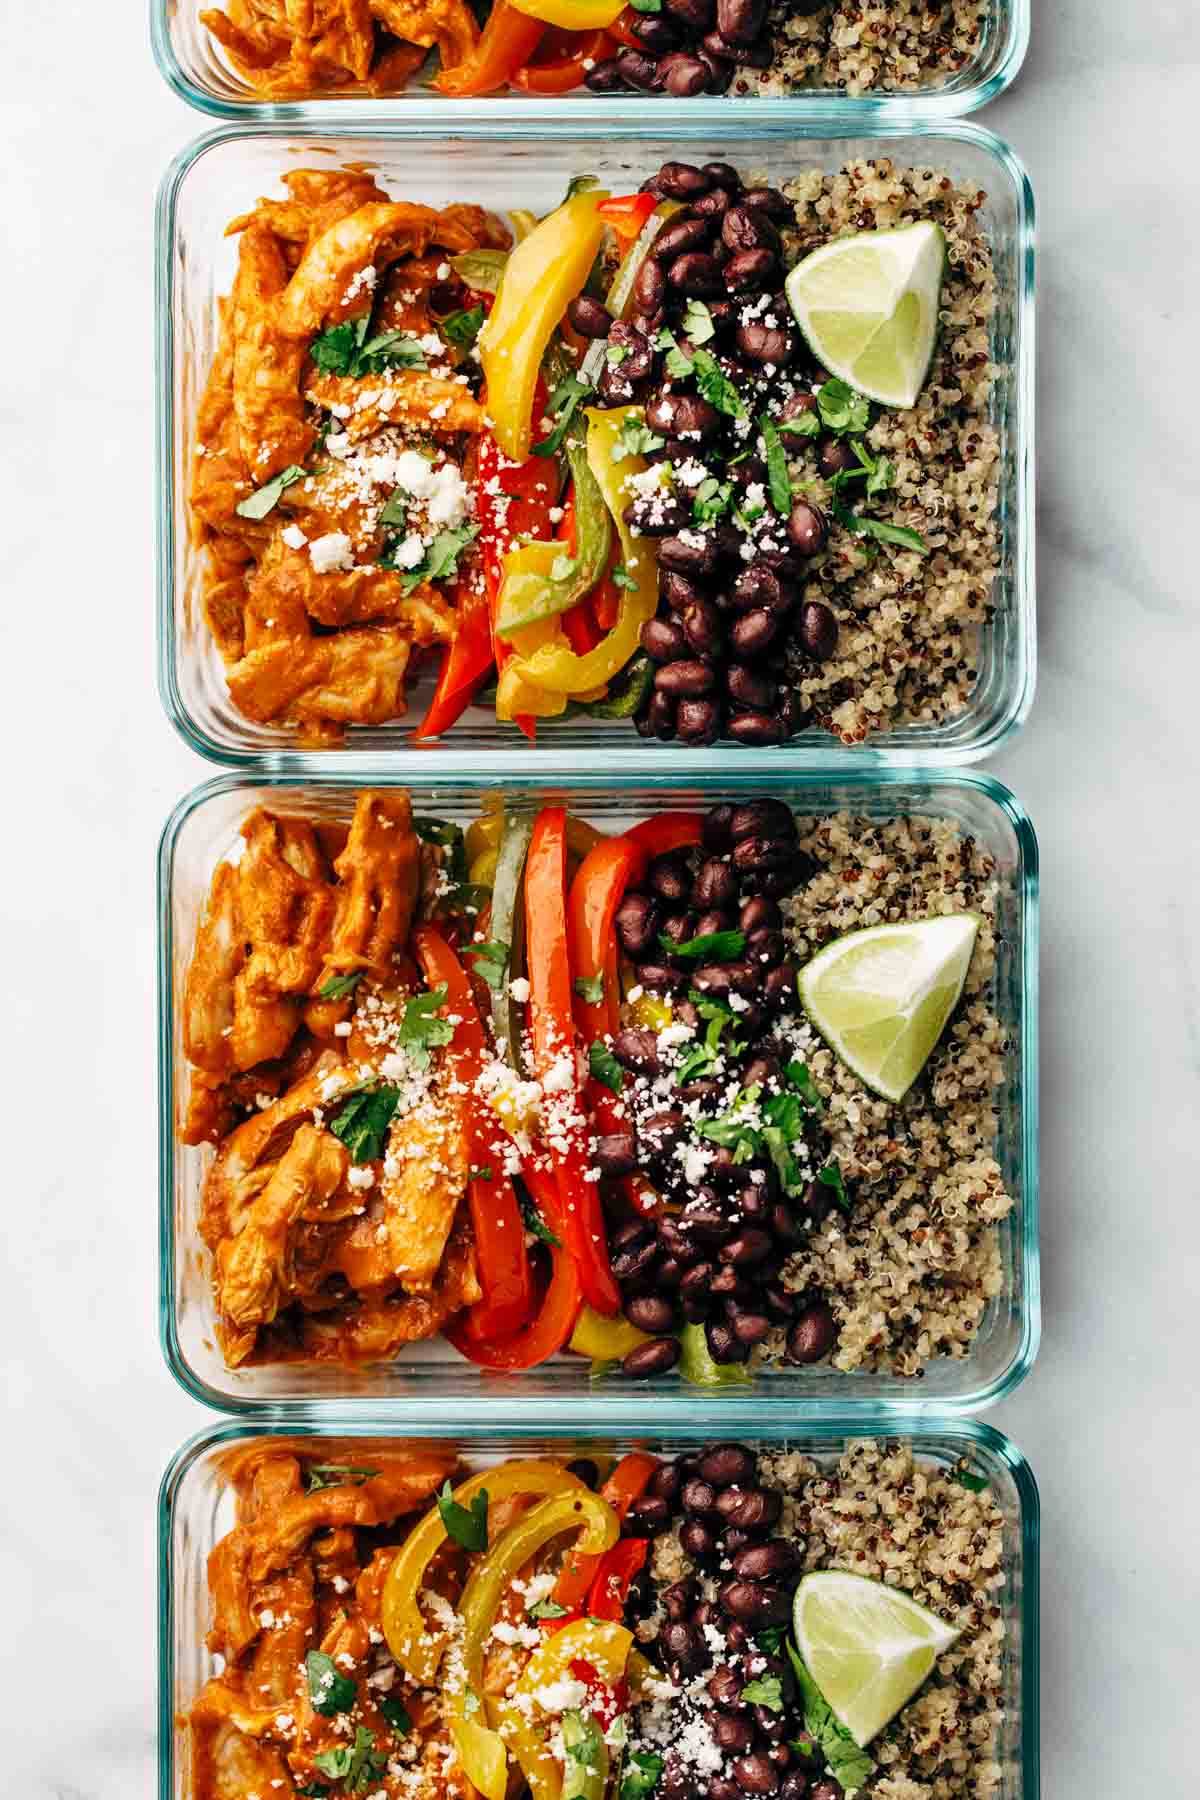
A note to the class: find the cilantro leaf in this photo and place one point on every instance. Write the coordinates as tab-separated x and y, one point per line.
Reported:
329	1690
396	1715
721	945
711	500
325	1475
264	499
805	424
635	438
974	1484
605	1067
535	1223
390	350
463	327
848	1764
338	986
363	1121
316	1790
622	578
548	1609
615	354
441	558
420	1029
766	1691
715	385
335	350
396	510
489	961
590	988
345	349
779	482
468	1527
358	1765
642	1771
797	1073
841	409
698	322
885	533
770	1637
561	407
784	1115
831	1177
646	6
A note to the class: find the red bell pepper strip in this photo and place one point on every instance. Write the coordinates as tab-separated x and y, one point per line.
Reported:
553	1032
622	29
465	665
627	1483
495	1214
507	41
603	1702
605	601
611	1583
555	1318
667	831
627	213
558	73
608	869
577	622
513	501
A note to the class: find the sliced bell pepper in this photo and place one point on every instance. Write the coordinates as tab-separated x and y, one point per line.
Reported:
627	1482
622	29
605	1647
627	213
508	926
409	1639
586	1774
696	1363
573	15
610	1586
553	1032
555	666
554	1319
668	831
480	1601
601	1339
513	500
508	40
559	74
600	884
542	276
544	579
495	1215
465	664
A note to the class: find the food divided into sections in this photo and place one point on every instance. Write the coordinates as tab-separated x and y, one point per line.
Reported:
715	460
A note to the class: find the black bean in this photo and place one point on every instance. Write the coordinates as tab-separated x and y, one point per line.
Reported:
632	1234
818	630
723	1346
750	269
697	721
714	829
678	1599
694	554
766	947
616	1154
660	978
651	1313
698	274
826	1789
766	1562
752	1602
630	1265
728	1284
743	227
758	914
696	1283
755	1203
669	1272
723	174
663	641
654	1358
758	585
683	415
690	677
770	200
750	1327
650	286
681	181
728	1465
637	923
684	233
779	988
605	78
747	1248
835	456
698	1496
741	21
590	317
657	515
747	56
732	1734
636	1047
795	405
813	1335
697	1538
755	728
640	71
670	875
715	884
661	715
720	70
751	1509
665	1484
649	1514
807	528
744	474
712	205
658	1133
697	15
762	852
766	343
678	591
753	632
725	1689
778	1301
701	623
795	1785
659	35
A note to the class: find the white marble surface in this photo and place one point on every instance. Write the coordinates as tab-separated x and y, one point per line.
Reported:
1105	114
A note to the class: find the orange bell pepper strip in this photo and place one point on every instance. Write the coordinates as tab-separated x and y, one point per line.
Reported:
465	664
554	1055
507	41
601	880
667	831
559	74
627	1483
554	1320
627	213
611	1583
495	1215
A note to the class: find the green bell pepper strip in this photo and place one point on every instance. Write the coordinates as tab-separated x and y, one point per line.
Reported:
508	927
697	1366
540	579
628	691
619	300
586	1774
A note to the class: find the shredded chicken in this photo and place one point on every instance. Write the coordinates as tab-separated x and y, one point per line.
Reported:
288	49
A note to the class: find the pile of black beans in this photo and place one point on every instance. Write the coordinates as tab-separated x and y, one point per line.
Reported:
729	1516
715	1257
732	635
691	47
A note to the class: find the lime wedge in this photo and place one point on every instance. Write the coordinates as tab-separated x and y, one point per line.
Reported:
868	306
881	997
868	1647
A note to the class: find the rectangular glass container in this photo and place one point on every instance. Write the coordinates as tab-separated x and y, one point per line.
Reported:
197	68
196	1508
507	164
431	1379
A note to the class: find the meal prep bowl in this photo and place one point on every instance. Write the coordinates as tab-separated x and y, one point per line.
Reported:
509	164
196	66
196	1508
431	1380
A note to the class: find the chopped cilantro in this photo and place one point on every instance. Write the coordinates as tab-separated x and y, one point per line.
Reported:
974	1484
605	1067
346	350
482	1172
363	1121
848	1764
396	1715
698	322
641	1775
535	1223
326	1475
548	1609
462	328
711	500
359	1766
590	988
635	438
831	1177
770	1637
338	986
805	424
561	407
329	1690
264	499
797	1073
468	1527
420	1028
720	945
441	557
715	385
490	961
779	482
396	510
841	409
615	354
622	578
766	1691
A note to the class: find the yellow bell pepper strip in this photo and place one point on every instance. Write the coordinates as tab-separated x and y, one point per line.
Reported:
604	1340
555	668
586	1773
540	579
573	15
409	1639
517	698
605	1646
480	1603
542	276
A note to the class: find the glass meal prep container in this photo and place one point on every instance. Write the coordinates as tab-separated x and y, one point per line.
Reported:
196	1508
506	165
430	1379
197	68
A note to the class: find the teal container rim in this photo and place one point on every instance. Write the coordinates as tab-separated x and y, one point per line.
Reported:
566	111
989	1444
607	1410
442	760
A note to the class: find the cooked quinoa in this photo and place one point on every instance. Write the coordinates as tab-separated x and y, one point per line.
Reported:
861	46
909	623
909	1273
